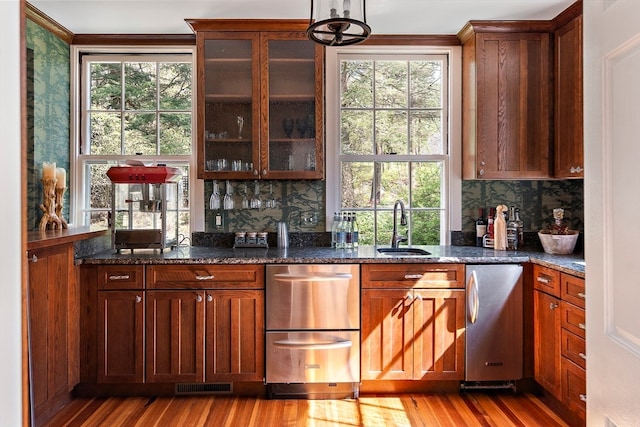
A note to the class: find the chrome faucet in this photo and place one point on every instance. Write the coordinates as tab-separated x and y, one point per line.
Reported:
396	238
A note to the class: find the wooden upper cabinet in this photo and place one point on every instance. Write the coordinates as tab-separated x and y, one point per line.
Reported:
568	137
260	100
507	101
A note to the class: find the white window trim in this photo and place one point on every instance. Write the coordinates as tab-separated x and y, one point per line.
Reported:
453	192
76	195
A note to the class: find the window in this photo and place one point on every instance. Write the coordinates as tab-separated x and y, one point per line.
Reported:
393	143
133	106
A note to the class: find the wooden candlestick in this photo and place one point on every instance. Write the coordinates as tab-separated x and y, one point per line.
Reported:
50	218
59	203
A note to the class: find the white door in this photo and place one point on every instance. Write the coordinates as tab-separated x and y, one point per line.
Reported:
612	206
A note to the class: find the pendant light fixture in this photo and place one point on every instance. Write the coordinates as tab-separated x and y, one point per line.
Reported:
338	22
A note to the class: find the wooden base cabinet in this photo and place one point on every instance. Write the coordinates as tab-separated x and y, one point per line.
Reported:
175	336
53	330
205	323
559	339
120	323
412	334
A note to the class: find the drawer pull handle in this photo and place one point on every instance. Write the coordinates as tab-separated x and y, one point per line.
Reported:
583	397
582	355
553	306
138	299
412	276
120	277
581	295
582	326
209	277
543	280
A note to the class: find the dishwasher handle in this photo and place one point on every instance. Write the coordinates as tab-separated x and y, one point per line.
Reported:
473	303
306	345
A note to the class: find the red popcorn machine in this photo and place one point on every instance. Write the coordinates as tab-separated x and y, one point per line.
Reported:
144	207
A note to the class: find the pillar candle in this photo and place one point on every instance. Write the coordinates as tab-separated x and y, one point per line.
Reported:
61	177
48	170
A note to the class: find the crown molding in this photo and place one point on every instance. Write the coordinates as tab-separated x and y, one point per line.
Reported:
47	23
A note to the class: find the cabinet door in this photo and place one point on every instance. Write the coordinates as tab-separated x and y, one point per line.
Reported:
120	336
547	342
568	141
507	120
175	336
387	334
52	326
235	335
228	104
292	129
438	334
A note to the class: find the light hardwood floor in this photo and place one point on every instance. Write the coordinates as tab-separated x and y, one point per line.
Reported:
496	409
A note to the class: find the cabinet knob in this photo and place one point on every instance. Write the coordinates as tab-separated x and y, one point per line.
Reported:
582	355
581	295
138	299
34	258
264	172
583	397
481	172
409	297
582	326
553	306
199	298
209	298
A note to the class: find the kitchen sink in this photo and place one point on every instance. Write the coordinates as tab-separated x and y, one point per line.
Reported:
403	251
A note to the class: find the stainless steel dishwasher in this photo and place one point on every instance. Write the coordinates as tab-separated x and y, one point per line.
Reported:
313	331
494	327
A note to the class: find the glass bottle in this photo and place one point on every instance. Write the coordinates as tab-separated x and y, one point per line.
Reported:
334	229
512	231
341	234
348	226
355	231
520	228
481	228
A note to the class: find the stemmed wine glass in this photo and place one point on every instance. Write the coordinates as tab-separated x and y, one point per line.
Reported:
301	126
287	125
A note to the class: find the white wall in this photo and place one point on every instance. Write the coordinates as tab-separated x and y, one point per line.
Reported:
11	251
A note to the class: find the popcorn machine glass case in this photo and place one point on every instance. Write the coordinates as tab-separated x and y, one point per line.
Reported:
144	207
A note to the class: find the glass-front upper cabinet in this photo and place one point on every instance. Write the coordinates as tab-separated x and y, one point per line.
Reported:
260	92
293	125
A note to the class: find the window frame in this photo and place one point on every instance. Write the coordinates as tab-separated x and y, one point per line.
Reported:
452	191
78	131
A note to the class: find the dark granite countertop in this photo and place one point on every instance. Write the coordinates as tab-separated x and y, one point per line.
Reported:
572	264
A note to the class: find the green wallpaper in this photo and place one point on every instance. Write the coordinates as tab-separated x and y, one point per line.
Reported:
536	200
49	117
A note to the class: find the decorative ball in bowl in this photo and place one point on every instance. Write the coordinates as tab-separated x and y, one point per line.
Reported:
559	244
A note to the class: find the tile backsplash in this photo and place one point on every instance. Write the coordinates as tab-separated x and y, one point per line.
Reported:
302	203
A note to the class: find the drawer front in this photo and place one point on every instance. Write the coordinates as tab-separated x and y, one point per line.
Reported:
574	387
205	276
546	280
573	318
117	277
413	276
573	289
574	348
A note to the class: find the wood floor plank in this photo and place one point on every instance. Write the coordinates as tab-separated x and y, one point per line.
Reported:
467	409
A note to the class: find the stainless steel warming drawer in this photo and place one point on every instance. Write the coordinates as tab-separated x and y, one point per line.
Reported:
313	330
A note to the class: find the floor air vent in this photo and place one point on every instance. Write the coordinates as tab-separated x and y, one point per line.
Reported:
210	388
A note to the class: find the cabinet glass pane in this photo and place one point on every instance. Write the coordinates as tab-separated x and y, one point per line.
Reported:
228	105
292	118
